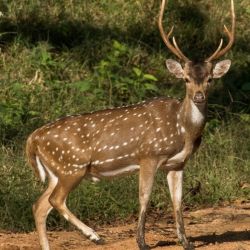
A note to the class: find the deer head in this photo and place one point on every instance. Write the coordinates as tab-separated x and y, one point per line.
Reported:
198	76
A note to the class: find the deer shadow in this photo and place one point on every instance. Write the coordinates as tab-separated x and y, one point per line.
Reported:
229	236
163	243
208	239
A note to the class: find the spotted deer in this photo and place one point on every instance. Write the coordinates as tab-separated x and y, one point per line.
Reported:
156	134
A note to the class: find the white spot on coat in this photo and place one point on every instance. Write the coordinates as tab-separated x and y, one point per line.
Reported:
183	130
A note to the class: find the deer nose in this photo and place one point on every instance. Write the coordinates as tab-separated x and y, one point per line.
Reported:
199	97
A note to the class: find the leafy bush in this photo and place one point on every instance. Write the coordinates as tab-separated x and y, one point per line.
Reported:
112	82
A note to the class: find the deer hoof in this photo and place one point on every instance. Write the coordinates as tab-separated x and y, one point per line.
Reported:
99	241
189	246
144	247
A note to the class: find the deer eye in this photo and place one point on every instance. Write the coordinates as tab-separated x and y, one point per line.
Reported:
186	80
209	80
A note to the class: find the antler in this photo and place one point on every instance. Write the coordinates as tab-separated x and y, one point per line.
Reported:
174	48
220	52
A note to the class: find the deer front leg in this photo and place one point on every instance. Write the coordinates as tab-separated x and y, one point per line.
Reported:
146	179
175	179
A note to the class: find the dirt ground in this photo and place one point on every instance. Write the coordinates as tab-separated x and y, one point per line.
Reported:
226	228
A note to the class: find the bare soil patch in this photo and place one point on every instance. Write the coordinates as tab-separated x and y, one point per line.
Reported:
226	228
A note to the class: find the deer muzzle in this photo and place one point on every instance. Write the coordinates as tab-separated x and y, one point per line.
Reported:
199	97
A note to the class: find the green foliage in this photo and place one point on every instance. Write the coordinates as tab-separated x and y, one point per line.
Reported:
124	84
112	82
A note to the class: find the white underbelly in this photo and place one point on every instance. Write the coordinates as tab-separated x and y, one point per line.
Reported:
120	171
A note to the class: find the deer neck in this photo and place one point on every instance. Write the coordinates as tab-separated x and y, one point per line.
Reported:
192	118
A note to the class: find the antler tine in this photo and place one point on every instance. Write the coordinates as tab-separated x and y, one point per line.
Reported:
220	52
175	49
179	51
216	52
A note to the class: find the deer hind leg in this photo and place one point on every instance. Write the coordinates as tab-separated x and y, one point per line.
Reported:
41	210
146	180
58	201
175	179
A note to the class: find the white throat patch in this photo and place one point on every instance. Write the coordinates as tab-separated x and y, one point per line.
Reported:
196	116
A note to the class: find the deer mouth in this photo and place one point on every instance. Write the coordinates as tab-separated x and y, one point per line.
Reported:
199	102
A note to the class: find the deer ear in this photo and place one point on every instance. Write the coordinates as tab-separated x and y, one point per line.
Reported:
221	68
175	68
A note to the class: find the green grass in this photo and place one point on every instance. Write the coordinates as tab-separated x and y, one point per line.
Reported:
67	57
220	167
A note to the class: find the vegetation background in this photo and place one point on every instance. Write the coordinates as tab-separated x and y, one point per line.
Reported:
67	56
